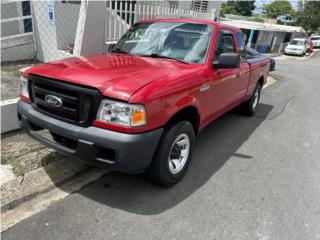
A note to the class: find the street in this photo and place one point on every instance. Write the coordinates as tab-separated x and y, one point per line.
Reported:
250	178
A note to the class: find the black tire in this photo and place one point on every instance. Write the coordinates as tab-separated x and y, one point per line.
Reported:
249	108
159	170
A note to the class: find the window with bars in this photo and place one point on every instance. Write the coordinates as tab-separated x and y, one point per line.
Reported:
200	5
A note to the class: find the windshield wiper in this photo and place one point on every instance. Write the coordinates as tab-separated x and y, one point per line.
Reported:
119	50
155	55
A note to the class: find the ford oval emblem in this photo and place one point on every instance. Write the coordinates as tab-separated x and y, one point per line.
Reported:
53	101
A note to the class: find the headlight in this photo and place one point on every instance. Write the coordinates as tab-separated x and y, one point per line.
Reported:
24	87
123	114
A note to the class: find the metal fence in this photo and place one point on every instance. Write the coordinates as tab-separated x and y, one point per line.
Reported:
39	31
122	14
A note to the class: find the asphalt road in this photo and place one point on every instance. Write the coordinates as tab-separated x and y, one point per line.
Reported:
251	178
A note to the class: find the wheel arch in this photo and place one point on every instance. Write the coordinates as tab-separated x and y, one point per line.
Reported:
189	113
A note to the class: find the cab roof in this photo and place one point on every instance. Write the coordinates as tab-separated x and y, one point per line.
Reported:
212	23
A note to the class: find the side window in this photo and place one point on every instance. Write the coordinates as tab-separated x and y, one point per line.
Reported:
225	45
241	46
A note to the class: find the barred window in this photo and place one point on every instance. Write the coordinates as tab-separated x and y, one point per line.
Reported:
200	5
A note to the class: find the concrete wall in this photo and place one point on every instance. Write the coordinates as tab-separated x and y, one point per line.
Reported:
20	52
9	10
46	33
90	36
183	4
9	28
18	48
67	15
217	6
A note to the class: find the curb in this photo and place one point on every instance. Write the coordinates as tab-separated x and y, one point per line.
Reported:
9	120
270	80
24	196
274	55
37	180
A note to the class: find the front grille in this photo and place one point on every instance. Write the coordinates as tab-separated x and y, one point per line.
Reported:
79	104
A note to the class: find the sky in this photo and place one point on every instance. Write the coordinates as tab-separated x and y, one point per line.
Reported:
259	4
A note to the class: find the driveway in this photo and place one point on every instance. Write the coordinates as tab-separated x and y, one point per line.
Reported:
251	178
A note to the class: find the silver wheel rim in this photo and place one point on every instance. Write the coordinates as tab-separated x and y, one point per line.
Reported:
256	99
179	153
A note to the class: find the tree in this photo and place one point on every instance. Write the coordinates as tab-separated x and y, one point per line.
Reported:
256	18
308	15
278	8
237	7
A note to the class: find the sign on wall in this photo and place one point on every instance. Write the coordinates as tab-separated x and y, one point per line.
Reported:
51	17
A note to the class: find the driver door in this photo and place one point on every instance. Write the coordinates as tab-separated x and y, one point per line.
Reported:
225	88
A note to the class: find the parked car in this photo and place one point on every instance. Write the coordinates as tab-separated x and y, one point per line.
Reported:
298	46
309	45
315	41
252	53
139	108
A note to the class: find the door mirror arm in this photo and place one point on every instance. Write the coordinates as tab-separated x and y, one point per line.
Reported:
215	64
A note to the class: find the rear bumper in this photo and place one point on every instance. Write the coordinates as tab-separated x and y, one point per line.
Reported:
316	44
116	151
293	52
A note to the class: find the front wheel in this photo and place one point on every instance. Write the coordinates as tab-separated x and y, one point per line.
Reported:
250	107
173	155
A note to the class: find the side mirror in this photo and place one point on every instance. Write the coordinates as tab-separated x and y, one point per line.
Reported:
227	60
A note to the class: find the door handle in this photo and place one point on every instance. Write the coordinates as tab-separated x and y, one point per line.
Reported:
204	87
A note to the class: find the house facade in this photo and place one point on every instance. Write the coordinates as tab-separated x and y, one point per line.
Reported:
266	37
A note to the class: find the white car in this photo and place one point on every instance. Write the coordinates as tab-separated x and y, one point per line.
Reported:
298	46
315	40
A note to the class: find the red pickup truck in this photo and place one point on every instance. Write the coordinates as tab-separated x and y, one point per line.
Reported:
139	107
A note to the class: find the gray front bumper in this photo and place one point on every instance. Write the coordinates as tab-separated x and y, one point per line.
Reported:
131	152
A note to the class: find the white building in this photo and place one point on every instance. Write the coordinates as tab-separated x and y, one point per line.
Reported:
266	37
16	31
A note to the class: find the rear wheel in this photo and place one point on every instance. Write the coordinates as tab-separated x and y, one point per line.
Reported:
250	107
173	155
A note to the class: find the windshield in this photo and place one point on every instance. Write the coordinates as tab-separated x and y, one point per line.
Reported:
187	42
298	43
315	38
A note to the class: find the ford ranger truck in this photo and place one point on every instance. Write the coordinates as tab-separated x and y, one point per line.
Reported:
139	107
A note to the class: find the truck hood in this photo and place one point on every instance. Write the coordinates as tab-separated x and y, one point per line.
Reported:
116	75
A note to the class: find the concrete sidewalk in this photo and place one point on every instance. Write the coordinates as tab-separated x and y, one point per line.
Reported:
33	177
